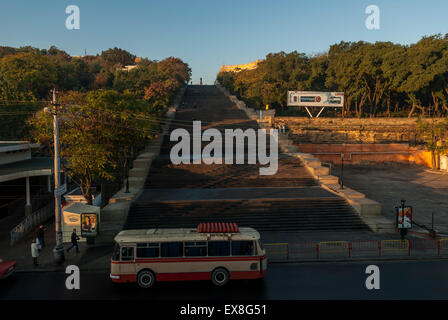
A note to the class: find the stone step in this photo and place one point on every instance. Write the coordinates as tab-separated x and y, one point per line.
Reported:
138	172
330	181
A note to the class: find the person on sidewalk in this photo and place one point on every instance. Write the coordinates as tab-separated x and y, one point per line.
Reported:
34	252
75	239
41	235
38	244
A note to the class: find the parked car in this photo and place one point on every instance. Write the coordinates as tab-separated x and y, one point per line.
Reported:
7	268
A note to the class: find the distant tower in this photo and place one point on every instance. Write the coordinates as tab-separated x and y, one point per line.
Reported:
200	81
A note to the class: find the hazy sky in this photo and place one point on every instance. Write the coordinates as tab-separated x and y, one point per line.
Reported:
207	34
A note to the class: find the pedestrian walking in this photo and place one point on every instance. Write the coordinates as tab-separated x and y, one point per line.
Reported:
38	244
75	239
34	252
41	235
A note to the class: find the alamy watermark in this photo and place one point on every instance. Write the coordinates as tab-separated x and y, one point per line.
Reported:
73	21
73	280
212	152
373	280
373	20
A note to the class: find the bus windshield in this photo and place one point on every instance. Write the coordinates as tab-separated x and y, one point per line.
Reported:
116	253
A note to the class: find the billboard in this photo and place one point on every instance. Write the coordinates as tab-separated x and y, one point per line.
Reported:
404	217
315	99
89	224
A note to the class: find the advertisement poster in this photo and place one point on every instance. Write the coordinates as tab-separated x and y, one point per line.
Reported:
89	224
404	217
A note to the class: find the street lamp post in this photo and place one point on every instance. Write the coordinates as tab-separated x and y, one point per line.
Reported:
403	231
58	251
129	157
342	171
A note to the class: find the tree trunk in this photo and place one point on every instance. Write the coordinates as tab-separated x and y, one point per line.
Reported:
433	159
412	110
388	106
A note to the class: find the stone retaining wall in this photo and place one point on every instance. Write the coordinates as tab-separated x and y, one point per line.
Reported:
351	130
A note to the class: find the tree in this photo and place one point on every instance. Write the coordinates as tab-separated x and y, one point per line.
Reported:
26	76
379	78
97	132
118	57
435	134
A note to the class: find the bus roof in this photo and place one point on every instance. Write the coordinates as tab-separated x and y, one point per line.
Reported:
181	234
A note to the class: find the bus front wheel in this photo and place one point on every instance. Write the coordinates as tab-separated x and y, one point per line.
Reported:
146	279
220	277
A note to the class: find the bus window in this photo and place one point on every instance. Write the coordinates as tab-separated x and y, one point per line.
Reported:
127	253
196	249
148	250
218	248
172	249
116	253
242	248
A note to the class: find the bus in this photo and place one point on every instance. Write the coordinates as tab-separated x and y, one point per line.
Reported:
218	252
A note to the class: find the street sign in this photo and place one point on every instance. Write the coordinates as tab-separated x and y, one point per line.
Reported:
60	191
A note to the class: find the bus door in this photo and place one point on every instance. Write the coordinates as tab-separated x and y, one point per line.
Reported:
127	265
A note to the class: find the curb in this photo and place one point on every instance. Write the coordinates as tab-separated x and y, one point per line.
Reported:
328	261
59	270
357	260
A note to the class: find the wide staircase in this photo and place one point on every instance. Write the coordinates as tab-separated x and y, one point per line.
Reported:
273	215
187	194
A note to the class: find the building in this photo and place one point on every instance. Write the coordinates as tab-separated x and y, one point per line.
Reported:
239	67
21	175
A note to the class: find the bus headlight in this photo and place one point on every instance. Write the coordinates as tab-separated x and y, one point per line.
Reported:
264	264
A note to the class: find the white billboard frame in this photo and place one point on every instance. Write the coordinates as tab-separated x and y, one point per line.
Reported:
319	99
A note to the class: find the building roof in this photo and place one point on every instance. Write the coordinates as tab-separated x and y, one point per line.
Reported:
8	146
239	67
79	207
41	166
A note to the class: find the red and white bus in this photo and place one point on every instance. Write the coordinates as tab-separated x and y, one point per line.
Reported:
214	251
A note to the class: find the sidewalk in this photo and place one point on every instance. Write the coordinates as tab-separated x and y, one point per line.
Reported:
90	257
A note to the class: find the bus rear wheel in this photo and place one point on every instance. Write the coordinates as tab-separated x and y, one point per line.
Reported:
220	277
146	279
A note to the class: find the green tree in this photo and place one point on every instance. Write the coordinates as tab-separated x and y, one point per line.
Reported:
26	76
435	135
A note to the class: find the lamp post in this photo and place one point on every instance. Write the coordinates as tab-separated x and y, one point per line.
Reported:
58	251
342	171
126	170
403	231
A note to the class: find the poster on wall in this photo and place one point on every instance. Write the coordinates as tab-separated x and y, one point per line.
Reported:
89	224
404	217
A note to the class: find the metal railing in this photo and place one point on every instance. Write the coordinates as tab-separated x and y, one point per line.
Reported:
30	222
363	249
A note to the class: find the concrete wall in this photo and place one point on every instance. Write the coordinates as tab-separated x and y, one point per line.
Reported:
16	156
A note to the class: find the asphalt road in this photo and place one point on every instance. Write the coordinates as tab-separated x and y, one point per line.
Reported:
398	280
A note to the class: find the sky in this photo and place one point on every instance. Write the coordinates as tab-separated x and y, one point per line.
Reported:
208	34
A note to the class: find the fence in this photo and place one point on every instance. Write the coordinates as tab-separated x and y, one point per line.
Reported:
364	249
30	222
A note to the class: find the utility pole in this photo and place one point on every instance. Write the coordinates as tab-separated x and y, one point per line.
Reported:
58	251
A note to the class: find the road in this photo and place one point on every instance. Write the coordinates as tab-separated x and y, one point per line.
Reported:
398	280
